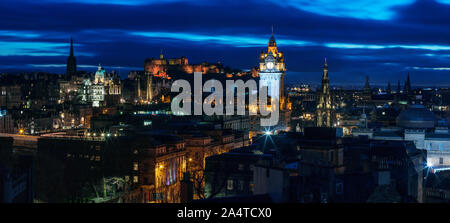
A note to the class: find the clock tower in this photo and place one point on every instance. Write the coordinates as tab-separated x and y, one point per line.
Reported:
271	70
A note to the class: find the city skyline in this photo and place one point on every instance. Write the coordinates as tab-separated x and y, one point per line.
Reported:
384	41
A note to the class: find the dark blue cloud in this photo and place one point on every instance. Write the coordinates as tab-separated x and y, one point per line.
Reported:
382	39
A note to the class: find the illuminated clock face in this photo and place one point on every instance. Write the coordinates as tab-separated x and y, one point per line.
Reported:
270	65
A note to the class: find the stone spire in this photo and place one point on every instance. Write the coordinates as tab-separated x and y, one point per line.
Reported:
71	62
325	69
325	115
71	47
272	41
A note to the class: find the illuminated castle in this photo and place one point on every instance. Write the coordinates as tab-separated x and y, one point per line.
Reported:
164	68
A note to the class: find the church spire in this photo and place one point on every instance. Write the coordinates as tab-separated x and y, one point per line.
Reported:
407	87
71	47
325	69
367	85
272	41
71	67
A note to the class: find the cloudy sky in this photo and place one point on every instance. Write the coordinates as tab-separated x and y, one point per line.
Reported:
382	39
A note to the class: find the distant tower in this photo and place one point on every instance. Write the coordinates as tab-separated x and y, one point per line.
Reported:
398	87
272	70
149	79
99	75
407	87
363	121
324	111
71	62
367	91
388	89
367	85
138	80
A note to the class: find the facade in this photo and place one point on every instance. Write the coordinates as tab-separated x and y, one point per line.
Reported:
235	177
10	96
157	170
103	90
6	122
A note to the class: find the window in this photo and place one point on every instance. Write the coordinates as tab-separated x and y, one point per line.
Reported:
135	179
230	185
441	160
241	167
97	158
252	186
135	166
241	185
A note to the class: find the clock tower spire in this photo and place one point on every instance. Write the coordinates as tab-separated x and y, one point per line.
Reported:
272	70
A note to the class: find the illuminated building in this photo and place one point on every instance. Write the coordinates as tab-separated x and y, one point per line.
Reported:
157	169
325	111
165	68
272	70
104	89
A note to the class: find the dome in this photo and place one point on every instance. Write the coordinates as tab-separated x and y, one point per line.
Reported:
416	116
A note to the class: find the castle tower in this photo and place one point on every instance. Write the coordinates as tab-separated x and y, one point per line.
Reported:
71	62
324	112
272	70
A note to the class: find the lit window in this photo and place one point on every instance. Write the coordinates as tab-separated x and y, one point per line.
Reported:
230	185
135	166
135	179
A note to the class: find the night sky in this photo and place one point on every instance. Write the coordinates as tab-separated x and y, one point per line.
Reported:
382	39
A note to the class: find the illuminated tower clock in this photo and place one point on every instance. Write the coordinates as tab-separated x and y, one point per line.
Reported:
271	70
